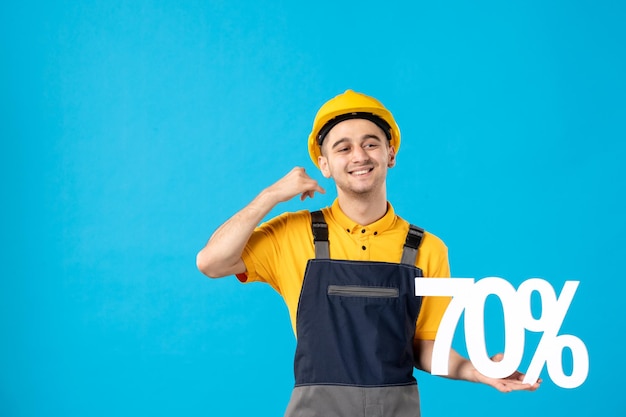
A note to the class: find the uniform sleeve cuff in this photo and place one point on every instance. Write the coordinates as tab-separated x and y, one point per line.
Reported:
250	274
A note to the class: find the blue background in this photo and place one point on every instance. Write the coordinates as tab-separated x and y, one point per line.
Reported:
131	130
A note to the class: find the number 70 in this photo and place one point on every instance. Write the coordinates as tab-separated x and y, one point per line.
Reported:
470	296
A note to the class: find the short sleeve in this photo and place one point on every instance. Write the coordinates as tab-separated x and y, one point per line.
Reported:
277	251
262	252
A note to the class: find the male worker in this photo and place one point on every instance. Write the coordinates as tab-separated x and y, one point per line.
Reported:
347	272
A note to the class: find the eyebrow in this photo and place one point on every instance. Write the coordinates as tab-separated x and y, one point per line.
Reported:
364	137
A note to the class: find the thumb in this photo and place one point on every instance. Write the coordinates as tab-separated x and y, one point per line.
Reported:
497	357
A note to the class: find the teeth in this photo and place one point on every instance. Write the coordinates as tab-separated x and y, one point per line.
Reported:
360	172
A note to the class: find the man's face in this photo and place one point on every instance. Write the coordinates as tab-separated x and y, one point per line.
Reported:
356	154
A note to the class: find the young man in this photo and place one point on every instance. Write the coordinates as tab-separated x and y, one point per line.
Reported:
347	272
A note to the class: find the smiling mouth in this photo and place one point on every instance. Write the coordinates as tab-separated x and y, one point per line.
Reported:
361	171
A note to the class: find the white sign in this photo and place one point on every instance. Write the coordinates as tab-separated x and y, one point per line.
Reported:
470	296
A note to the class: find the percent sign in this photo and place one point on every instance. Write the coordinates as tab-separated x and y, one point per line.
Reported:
470	296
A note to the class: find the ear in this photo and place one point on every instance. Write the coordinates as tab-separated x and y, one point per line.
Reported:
392	157
323	164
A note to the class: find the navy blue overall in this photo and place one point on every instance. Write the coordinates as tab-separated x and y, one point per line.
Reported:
355	324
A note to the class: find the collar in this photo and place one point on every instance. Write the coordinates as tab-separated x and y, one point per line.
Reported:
347	224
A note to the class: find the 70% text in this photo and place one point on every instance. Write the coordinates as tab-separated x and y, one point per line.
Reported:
470	296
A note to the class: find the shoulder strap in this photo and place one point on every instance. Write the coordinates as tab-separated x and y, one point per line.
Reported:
412	244
320	235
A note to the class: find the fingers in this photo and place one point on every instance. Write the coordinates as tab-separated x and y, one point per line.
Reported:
306	183
296	182
508	385
318	189
512	383
519	386
311	193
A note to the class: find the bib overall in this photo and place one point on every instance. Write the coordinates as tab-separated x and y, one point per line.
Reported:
356	323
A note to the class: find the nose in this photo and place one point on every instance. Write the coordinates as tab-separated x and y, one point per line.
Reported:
359	155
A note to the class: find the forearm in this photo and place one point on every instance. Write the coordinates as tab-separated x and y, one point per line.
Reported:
462	369
458	367
222	254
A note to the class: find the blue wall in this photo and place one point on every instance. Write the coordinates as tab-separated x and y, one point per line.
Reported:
131	130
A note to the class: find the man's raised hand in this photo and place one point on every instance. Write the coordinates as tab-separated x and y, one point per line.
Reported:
296	182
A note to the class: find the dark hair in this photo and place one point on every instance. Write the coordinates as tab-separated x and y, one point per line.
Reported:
377	120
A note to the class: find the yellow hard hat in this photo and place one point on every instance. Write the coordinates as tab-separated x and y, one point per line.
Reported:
351	105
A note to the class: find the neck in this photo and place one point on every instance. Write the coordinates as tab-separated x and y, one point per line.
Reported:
363	209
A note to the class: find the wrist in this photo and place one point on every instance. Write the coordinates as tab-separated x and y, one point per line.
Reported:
267	199
465	371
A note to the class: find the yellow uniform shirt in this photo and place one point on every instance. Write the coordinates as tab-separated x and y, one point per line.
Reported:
278	251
